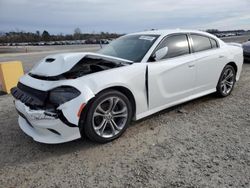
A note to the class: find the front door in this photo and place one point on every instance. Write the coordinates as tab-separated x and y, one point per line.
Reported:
172	78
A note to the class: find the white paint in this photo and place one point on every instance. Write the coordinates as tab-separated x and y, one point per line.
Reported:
171	81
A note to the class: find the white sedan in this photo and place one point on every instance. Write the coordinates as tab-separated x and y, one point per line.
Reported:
67	96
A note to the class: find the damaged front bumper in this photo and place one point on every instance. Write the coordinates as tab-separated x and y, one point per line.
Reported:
45	127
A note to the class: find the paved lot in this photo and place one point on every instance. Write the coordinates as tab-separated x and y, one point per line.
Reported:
239	39
36	53
202	143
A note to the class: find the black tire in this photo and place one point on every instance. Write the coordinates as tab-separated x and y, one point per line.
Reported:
89	123
221	91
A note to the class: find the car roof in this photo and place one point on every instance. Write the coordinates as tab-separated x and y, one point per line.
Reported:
171	31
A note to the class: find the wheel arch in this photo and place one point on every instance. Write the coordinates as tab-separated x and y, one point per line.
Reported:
127	92
233	64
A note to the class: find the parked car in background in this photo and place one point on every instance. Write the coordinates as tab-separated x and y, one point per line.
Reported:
67	96
246	49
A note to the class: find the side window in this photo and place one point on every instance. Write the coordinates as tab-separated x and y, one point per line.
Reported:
201	43
214	43
177	46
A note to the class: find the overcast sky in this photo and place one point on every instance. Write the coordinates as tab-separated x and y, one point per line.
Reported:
63	16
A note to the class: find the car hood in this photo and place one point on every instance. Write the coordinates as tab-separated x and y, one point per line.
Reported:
57	64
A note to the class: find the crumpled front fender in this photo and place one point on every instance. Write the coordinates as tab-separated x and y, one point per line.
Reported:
73	108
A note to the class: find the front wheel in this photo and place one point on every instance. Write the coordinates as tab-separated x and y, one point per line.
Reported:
108	116
226	82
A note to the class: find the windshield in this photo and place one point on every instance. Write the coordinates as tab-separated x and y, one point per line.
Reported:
130	47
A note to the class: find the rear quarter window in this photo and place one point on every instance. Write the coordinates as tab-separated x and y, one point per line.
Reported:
200	43
214	43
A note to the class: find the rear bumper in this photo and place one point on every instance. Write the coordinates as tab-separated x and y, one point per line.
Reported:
43	128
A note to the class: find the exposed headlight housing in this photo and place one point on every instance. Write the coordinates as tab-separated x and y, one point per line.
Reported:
63	94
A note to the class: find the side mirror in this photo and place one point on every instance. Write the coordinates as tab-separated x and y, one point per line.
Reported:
159	54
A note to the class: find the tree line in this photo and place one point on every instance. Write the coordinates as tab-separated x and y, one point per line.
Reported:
214	31
45	36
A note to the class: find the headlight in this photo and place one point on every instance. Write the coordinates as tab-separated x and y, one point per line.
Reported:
63	94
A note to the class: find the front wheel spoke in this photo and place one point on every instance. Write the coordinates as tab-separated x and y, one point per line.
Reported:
120	112
98	114
113	128
225	74
102	124
224	88
103	128
120	115
111	103
115	125
222	84
229	83
101	110
115	101
230	75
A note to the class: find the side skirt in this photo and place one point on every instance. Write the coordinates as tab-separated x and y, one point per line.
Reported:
155	110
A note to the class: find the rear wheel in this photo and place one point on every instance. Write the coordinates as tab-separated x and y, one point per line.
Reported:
226	82
108	116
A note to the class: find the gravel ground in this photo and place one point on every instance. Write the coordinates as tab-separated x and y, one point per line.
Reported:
202	143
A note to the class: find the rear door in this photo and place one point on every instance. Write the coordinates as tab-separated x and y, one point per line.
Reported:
173	77
209	61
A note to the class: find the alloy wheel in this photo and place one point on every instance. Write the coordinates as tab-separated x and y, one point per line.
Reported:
110	117
227	81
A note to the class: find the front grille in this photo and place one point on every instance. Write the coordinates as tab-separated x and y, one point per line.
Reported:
28	95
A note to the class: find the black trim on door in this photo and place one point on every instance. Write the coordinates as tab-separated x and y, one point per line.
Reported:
146	85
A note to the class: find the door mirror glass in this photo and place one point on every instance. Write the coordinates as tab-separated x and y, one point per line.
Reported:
161	53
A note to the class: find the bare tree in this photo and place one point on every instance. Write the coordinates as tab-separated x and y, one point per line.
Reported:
77	33
45	36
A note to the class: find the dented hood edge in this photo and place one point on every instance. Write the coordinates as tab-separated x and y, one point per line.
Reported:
57	64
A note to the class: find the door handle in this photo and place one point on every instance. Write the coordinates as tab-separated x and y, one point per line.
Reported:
191	65
221	56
